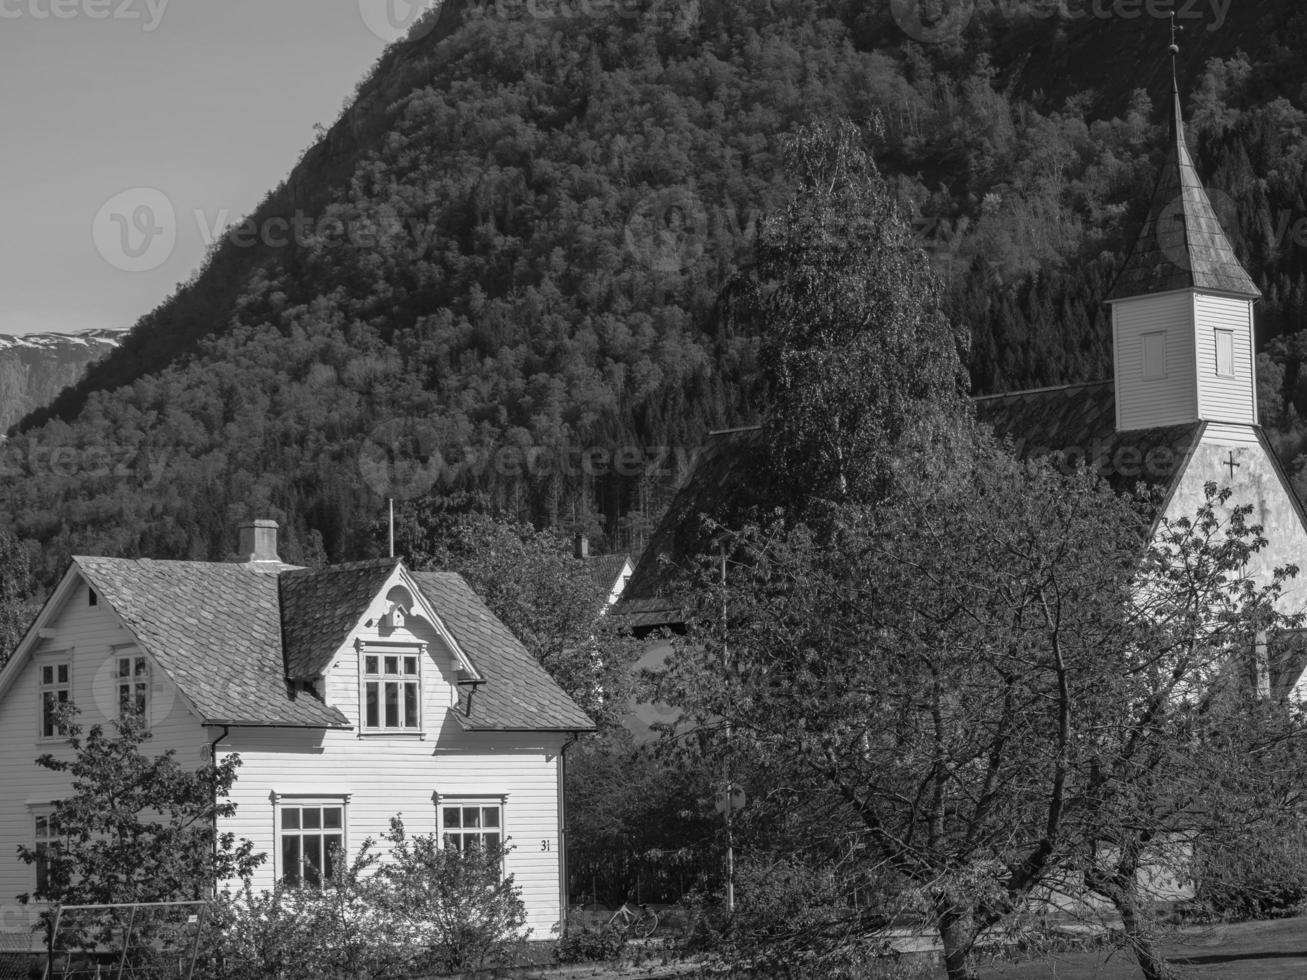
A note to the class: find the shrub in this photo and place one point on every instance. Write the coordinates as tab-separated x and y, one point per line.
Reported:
589	944
426	910
456	908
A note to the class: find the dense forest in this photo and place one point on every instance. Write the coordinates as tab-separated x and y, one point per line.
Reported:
509	257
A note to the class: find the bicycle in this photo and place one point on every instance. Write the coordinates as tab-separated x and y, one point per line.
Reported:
641	924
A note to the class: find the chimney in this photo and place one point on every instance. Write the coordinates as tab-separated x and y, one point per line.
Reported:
582	546
258	543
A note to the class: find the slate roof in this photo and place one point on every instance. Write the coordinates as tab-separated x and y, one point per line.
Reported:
1182	244
1075	423
1070	423
518	695
320	606
604	570
231	636
216	630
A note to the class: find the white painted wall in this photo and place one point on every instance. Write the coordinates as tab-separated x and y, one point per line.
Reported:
1225	399
1142	404
91	638
385	775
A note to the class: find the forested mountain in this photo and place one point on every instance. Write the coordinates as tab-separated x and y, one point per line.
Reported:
514	245
36	367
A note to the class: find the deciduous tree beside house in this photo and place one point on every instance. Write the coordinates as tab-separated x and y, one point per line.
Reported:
135	827
979	690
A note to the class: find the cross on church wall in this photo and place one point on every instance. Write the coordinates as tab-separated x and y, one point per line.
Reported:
1232	464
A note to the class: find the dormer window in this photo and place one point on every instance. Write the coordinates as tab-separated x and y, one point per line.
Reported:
392	690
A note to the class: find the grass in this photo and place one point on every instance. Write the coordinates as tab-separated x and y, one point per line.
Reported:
1275	950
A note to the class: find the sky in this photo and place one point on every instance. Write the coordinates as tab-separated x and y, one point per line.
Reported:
131	131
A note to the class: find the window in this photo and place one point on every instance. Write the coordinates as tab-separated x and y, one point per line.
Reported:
391	691
91	598
312	835
46	843
56	689
469	826
1154	345
1225	353
133	686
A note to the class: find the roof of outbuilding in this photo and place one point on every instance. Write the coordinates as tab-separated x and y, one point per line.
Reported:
216	630
518	694
1182	244
604	571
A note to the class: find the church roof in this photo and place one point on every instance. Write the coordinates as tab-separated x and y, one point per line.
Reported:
1182	244
1077	423
1069	424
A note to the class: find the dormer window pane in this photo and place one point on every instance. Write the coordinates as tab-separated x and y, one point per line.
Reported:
392	705
410	706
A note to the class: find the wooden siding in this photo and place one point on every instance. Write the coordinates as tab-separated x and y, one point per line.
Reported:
1142	404
1225	399
385	775
91	639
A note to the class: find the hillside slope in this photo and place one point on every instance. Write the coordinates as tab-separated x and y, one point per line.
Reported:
516	237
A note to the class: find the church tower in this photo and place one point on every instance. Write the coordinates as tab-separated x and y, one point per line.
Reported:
1182	310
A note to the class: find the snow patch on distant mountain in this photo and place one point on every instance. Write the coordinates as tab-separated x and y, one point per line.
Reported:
35	367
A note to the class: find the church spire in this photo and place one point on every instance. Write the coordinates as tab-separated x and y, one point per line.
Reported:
1182	244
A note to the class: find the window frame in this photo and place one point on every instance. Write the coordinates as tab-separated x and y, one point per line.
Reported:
282	805
1221	334
52	661
381	650
464	802
141	682
41	843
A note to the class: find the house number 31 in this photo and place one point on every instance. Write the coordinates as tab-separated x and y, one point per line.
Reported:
544	845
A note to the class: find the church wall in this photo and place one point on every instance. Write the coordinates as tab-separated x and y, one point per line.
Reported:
1256	481
1140	403
1228	399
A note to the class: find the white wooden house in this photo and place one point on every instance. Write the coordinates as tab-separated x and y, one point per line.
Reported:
352	694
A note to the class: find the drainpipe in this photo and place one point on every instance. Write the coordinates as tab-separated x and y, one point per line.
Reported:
562	833
213	760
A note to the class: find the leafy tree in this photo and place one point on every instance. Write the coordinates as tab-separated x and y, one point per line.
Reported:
981	691
862	369
137	827
547	597
16	586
